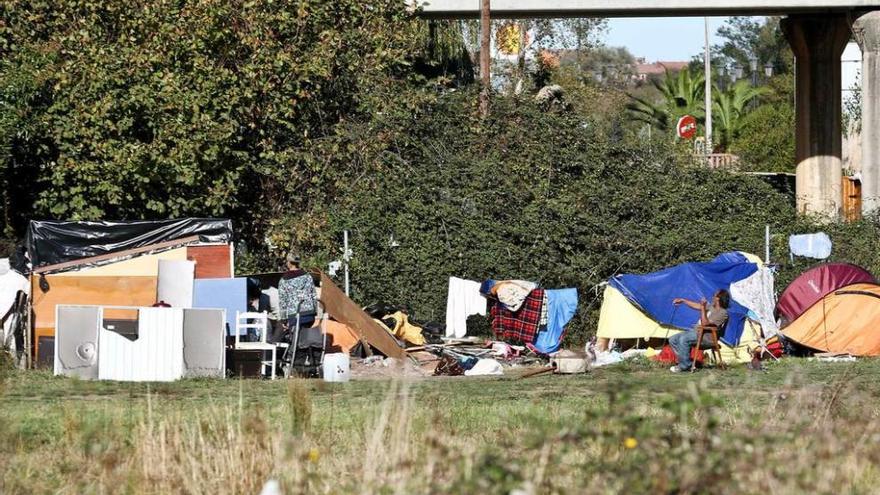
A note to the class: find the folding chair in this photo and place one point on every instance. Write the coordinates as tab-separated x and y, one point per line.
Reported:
716	347
259	322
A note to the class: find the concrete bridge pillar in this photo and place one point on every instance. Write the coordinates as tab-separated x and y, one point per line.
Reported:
867	34
818	41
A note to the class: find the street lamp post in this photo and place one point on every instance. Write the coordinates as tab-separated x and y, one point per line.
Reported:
753	65
737	72
768	70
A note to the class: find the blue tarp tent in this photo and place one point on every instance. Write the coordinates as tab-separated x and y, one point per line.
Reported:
653	293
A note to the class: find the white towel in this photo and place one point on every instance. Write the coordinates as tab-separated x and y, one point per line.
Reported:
464	300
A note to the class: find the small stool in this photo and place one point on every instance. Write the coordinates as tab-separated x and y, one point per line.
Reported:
716	347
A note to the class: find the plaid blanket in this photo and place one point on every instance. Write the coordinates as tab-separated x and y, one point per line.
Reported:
519	326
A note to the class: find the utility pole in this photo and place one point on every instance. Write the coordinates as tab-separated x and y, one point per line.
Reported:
708	91
485	56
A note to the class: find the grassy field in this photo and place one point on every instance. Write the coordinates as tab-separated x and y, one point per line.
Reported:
800	427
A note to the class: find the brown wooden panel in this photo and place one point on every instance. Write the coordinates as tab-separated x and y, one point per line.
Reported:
97	291
344	310
211	261
852	199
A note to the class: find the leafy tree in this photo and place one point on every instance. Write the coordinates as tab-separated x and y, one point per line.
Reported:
611	66
746	37
765	138
730	108
682	94
164	108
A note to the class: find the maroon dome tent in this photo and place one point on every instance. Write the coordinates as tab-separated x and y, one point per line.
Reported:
814	284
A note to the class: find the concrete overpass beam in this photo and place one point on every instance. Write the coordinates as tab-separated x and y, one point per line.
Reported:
867	34
818	42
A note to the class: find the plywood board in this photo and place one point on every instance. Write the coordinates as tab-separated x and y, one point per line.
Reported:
145	265
176	283
222	293
344	310
211	261
91	291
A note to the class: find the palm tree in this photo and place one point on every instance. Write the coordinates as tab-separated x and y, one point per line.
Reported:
729	107
682	95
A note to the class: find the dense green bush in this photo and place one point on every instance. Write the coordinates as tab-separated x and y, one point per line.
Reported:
560	198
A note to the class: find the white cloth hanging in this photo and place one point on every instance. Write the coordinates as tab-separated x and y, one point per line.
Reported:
816	245
755	292
11	282
464	300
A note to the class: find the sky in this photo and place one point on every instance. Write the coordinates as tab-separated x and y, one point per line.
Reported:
662	38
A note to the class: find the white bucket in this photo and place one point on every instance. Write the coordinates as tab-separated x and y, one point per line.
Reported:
337	367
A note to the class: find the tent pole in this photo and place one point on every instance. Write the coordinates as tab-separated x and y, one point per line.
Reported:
767	244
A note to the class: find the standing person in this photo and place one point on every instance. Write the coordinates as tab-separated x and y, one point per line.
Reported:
716	315
296	294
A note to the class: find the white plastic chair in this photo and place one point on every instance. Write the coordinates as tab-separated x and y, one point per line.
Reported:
259	322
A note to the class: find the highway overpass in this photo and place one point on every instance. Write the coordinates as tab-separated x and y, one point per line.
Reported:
638	8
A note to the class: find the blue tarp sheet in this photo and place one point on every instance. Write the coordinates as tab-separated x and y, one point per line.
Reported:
223	293
654	292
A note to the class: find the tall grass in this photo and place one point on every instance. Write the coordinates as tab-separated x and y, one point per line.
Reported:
791	438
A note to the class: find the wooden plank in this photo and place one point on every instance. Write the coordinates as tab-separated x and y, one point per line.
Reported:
143	265
120	254
98	291
211	261
344	310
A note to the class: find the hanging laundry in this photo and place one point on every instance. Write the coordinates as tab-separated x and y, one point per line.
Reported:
518	326
464	300
756	293
561	307
816	245
511	293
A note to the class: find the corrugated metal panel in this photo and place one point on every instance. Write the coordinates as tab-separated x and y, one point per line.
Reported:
156	355
852	199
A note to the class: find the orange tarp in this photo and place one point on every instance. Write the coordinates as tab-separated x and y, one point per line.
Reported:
339	335
845	321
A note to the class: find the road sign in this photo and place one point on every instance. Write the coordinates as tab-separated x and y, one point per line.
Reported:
686	127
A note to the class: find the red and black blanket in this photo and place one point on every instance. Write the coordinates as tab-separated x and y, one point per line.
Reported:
519	326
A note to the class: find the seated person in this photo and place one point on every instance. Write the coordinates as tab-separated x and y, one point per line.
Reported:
716	315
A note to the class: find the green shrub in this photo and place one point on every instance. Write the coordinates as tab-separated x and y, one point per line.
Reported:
560	198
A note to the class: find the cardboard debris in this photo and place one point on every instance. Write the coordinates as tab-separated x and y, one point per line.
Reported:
344	310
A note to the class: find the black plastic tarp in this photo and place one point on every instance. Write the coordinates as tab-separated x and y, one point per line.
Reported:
50	242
